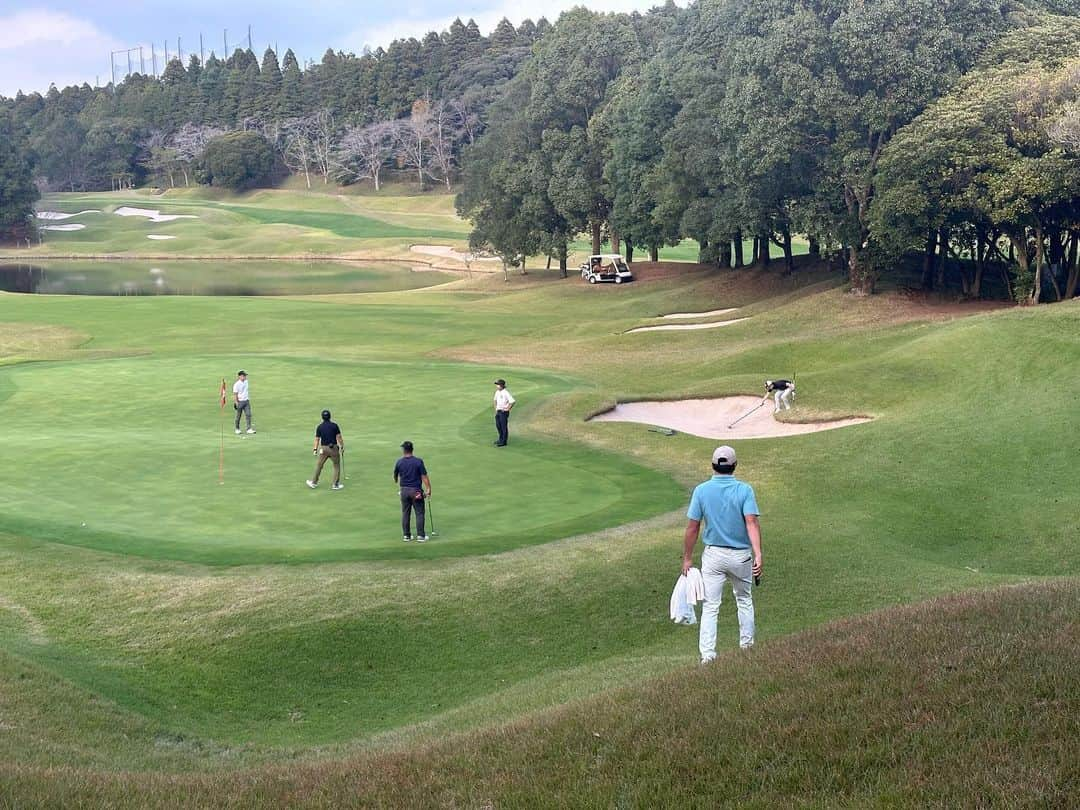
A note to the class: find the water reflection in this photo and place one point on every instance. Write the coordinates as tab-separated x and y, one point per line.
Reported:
226	278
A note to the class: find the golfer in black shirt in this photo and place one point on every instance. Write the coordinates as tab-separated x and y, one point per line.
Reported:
328	445
410	473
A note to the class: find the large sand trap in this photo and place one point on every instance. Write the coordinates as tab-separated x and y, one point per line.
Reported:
709	418
444	252
708	314
151	214
672	327
73	226
58	215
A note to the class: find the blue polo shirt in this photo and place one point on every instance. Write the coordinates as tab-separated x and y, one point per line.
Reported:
723	502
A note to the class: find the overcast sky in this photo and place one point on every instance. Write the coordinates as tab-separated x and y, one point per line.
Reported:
68	41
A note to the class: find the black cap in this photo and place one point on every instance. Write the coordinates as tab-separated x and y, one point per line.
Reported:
326	414
241	373
501	382
406	446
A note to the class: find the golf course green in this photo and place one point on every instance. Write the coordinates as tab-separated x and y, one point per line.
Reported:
164	619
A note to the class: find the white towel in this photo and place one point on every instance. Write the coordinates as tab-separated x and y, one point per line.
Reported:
682	611
695	587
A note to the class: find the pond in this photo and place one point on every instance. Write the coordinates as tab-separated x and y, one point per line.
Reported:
232	277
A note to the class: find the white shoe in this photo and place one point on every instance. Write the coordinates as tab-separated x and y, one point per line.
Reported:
708	660
421	538
250	430
407	538
311	484
337	486
238	431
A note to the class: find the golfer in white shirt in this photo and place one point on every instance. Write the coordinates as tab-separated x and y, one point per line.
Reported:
241	403
504	401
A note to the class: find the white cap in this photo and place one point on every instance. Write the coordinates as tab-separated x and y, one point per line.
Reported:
723	455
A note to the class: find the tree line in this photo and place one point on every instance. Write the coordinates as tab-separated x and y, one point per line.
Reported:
412	105
884	131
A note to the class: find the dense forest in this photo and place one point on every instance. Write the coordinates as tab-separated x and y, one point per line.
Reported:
939	136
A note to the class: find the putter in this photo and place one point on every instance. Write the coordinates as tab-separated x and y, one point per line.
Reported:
431	518
341	459
733	424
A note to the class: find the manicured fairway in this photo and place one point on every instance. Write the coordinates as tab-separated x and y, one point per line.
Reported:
132	454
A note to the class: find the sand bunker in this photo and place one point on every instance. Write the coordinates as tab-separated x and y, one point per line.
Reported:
710	418
444	252
708	314
158	236
59	215
672	327
151	214
74	226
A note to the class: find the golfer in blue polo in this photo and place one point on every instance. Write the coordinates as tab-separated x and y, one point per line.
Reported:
732	540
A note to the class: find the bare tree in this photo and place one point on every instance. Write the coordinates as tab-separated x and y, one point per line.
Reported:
443	136
363	151
414	139
321	130
294	140
189	142
466	117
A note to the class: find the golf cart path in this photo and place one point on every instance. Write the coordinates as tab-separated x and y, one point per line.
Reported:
710	418
444	252
672	327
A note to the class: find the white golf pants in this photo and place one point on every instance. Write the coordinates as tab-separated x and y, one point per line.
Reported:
783	399
719	564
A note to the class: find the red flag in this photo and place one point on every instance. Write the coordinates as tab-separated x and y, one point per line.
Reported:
222	392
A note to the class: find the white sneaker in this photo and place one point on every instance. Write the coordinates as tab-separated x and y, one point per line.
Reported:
238	431
407	538
421	538
249	430
337	486
311	484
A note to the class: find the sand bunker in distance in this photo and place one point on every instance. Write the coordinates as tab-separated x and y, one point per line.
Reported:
709	418
709	314
158	236
72	226
151	214
674	327
58	215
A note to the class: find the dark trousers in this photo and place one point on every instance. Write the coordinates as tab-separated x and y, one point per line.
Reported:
502	424
242	409
409	503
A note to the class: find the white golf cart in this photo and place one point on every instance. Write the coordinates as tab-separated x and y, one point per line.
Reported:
606	267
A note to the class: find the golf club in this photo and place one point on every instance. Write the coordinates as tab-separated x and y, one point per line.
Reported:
341	456
431	517
733	424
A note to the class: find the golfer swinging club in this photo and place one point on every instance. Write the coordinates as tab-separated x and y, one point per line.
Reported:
782	391
328	445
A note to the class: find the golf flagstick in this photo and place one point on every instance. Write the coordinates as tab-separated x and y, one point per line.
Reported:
221	452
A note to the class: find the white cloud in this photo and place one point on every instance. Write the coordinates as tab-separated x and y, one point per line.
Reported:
40	46
486	17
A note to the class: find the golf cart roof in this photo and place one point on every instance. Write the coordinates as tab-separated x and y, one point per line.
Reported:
610	256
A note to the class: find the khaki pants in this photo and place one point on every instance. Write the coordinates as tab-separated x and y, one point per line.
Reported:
328	451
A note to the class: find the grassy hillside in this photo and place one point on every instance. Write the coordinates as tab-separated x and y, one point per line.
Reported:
125	653
964	701
290	222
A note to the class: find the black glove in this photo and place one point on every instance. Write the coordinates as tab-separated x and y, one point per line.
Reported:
235	407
